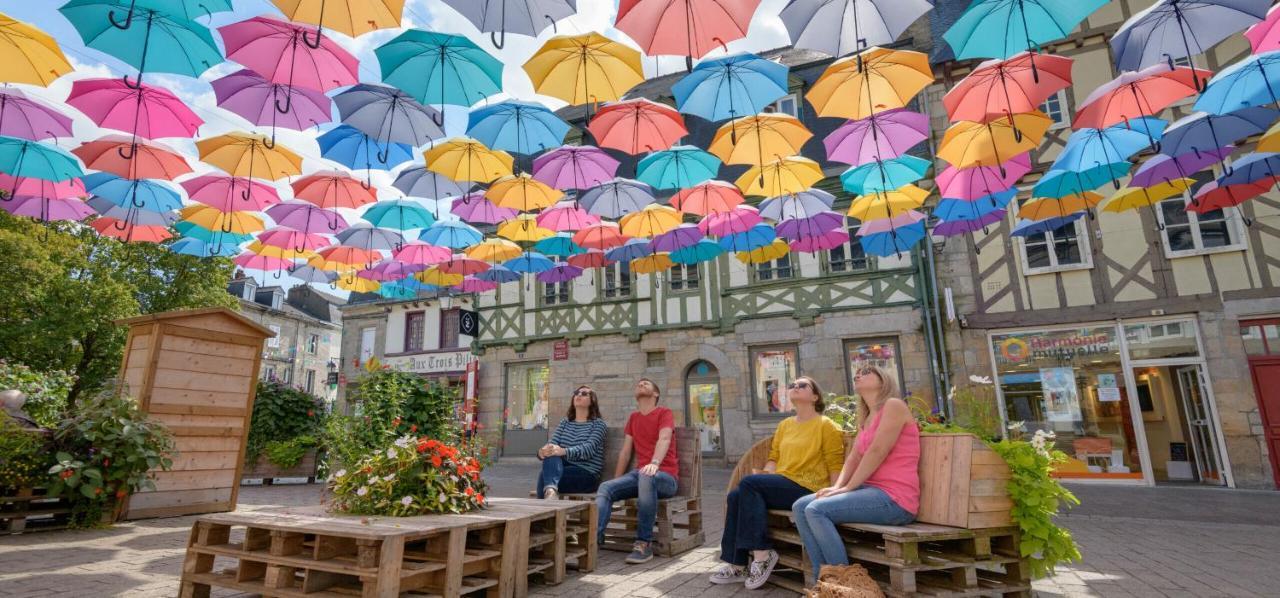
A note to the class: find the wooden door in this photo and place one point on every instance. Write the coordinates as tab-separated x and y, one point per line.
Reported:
1266	384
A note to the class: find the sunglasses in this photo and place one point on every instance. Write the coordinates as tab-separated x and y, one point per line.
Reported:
862	373
583	392
795	385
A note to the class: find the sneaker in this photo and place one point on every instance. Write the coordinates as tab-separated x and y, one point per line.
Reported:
642	552
729	574
551	493
759	571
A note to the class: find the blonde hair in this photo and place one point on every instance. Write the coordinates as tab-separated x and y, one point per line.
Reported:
888	390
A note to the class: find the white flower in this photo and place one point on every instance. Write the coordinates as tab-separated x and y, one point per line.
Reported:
1041	440
406	501
362	491
341	472
404	441
1016	426
443	498
389	477
391	452
980	379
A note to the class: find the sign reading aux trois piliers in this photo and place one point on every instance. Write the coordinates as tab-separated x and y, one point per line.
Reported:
432	363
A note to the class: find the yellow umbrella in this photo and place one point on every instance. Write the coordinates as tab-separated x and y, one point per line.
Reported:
887	204
493	250
768	253
1132	198
651	263
320	263
357	284
249	155
29	55
286	253
755	139
967	144
582	69
1057	207
240	223
786	175
650	222
352	17
441	279
871	81
468	160
523	228
1270	141
522	193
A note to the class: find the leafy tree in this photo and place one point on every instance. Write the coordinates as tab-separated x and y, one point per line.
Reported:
65	286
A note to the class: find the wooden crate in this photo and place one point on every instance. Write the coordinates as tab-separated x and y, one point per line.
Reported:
267	471
309	552
963	483
31	509
196	371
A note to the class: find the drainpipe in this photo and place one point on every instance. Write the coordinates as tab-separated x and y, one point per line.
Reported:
941	341
925	313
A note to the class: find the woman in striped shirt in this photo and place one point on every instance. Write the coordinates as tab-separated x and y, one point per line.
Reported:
572	461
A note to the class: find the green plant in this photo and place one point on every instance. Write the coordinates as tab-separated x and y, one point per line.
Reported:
289	453
389	404
280	413
1037	496
411	476
428	410
974	407
24	460
843	409
46	391
105	453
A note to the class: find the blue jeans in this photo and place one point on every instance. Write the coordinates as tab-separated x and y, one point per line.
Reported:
816	520
648	489
746	514
565	477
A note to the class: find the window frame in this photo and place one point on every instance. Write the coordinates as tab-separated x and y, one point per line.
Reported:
1082	240
775	107
614	282
894	341
756	270
756	399
313	343
868	260
1064	110
684	280
421	316
445	314
310	382
562	298
274	341
1230	218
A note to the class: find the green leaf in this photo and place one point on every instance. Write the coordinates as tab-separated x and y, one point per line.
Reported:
87	491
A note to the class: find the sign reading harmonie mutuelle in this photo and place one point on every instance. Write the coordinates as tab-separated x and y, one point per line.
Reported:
432	363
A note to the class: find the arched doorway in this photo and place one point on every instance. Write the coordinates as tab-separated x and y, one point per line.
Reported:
702	386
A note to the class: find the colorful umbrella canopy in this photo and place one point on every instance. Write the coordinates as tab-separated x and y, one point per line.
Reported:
439	68
1214	196
616	198
475	209
21	187
884	225
1252	168
1065	181
881	136
1161	167
47	209
288	253
421	253
29	118
652	221
566	216
494	250
560	272
352	17
333	189
198	248
282	52
523	227
370	238
683	235
818	224
418	181
652	264
388	114
637	126
451	234
970	183
123	156
357	150
1058	207
356	284
186	9
736	220
632	249
1131	198
31	159
216	238
1135	94
839	27
968	144
883	175
730	87
756	139
803	204
951	228
248	155
601	236
523	17
146	111
706	198
1002	88
468	160
287	238
519	127
824	242
1250	82
312	274
128	232
306	218
1200	132
684	27
240	223
155	41
575	167
1089	147
522	193
1170	29
29	55
1027	228
887	204
1000	28
787	175
680	167
591	258
399	214
962	209
752	238
472	284
871	81
1265	36
529	263
584	69
257	99
229	194
893	242
702	251
498	274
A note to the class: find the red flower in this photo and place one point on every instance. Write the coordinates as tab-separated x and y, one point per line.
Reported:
66	473
120	494
413	428
395	422
484	450
436	461
470	492
97	491
422	447
462	472
311	413
106	462
480	498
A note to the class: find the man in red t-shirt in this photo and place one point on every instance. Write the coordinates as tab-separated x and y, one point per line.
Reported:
650	433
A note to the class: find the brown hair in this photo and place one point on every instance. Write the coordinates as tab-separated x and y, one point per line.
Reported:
888	390
656	391
593	412
819	405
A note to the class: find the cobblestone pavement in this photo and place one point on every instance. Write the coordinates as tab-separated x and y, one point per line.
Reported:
1136	542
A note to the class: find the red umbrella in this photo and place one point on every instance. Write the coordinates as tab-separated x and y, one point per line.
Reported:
130	233
226	193
689	28
1211	197
605	235
332	189
707	198
637	126
1002	88
127	158
461	264
593	258
1137	93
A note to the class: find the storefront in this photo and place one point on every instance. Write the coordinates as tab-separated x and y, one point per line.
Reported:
1128	401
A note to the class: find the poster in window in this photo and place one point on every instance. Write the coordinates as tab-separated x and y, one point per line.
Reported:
1061	397
774	370
882	354
704	403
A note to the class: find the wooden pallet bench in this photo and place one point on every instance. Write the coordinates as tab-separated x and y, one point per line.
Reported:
29	510
309	552
678	527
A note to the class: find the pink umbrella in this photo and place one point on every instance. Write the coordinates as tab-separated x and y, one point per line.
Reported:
421	254
605	235
252	261
33	187
226	193
287	238
276	49
128	158
29	118
881	136
593	258
472	284
130	232
980	181
476	209
566	216
739	219
685	27
461	264
148	112
1265	36
248	94
952	228
48	209
885	225
707	198
391	270
304	217
824	242
574	167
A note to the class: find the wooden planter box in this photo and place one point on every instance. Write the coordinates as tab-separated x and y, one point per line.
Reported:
33	510
265	470
963	483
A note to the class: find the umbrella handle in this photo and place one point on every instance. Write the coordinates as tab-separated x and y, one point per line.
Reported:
133	151
128	19
133	84
226	225
117	223
270	143
554	30
498	41
246	193
288	101
438	118
276	275
383	154
1017	133
319	36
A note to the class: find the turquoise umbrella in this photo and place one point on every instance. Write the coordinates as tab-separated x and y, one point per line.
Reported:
884	175
399	214
439	68
1002	28
187	9
396	291
680	167
22	158
702	251
453	234
152	41
560	244
200	233
195	247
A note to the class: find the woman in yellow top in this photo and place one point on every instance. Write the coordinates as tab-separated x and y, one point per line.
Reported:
807	453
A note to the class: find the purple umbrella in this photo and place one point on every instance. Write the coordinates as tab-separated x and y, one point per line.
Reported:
476	209
816	225
1160	168
248	94
560	272
574	167
306	218
1201	132
29	118
472	284
881	136
391	270
824	242
951	228
48	209
677	238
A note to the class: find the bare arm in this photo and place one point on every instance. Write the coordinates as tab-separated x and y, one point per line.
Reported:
624	456
664	444
895	416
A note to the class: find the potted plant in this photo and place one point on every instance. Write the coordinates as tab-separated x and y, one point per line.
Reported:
283	433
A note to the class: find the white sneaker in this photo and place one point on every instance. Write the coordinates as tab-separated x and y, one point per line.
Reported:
551	494
758	572
729	574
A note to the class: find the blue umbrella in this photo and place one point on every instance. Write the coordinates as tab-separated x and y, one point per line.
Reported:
892	242
616	198
453	234
195	247
1087	148
417	285
702	251
1250	82
417	181
631	250
149	39
499	274
395	290
1172	29
680	167
520	127
804	204
1026	228
884	175
1202	132
1252	168
439	68
752	238
352	148
559	244
1063	182
529	263
399	214
962	209
731	87
1002	28
143	194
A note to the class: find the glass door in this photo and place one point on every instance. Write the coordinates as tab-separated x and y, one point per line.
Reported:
1203	447
702	386
527	404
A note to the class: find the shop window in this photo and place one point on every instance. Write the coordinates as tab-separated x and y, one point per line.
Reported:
449	328
313	344
1189	233
849	257
310	385
1161	340
1061	249
683	277
617	280
1055	107
528	395
882	353
368	337
772	369
1261	337
555	293
779	269
413	331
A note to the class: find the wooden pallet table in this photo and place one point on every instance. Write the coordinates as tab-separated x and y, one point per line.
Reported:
310	552
32	510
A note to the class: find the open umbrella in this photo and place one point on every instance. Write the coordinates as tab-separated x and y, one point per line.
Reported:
824	242
476	209
881	136
29	118
439	68
499	274
1135	94
225	192
566	216
778	177
519	127
399	214
1002	28
616	198
357	150
960	226
1061	182
241	223
24	158
1201	132
352	17
683	235
48	209
418	181
887	204
591	258
968	143
152	41
602	236
128	232
255	98
650	222
575	167
288	253
839	27
873	80
1132	198
893	242
421	253
756	139
248	155
816	224
1002	88
1265	36
883	175
951	209
970	183
703	251
522	17
652	264
522	193
333	189
637	126
143	161
733	221
680	167
216	238
1027	228
523	228
755	237
529	263
1251	169
369	237
1170	29
388	114
144	111
706	198
803	204
468	160
1160	167
632	249
287	238
451	234
29	55
1058	207
282	52
306	218
584	69
730	87
1253	81
494	250
198	248
688	28
560	272
1091	147
1214	196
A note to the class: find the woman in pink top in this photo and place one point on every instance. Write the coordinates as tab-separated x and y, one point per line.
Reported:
880	481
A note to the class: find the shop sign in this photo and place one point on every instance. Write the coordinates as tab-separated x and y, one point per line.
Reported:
560	350
432	363
1055	346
